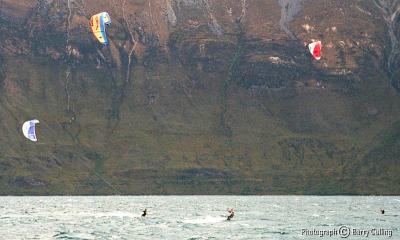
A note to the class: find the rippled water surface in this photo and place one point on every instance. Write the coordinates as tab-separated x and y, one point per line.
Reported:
196	217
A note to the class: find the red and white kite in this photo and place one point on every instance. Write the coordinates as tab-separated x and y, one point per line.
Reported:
315	49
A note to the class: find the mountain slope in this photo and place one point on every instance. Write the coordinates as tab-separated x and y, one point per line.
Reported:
204	97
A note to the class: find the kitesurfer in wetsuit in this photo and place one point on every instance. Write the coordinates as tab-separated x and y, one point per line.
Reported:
231	212
144	213
383	211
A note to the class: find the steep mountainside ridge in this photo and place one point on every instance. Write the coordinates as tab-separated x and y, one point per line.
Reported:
200	96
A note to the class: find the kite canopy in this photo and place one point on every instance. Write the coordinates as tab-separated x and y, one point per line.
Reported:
315	49
28	129
98	24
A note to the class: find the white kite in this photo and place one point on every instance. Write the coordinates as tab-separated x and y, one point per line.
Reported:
28	129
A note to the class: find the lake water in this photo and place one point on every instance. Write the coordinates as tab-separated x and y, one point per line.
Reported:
199	217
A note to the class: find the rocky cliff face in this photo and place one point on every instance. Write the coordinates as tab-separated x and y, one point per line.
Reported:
200	96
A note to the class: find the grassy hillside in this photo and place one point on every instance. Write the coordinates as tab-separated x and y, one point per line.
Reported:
215	99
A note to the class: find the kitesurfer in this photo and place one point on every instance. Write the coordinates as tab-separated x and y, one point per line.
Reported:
144	213
383	211
231	212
